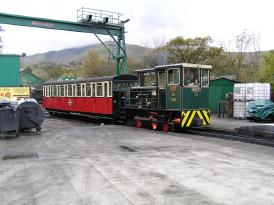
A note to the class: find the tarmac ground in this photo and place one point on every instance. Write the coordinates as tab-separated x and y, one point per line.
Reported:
73	162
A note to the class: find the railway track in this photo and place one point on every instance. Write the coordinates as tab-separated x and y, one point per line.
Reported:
206	132
232	135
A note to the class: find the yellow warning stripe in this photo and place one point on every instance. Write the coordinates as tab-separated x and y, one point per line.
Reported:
206	116
185	118
201	117
191	118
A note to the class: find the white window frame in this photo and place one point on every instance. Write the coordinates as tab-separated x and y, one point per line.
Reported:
71	90
199	77
95	89
107	84
158	77
207	78
74	90
110	91
89	85
85	88
102	89
65	90
173	76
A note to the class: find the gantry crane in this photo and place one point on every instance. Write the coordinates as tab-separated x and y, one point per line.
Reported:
94	21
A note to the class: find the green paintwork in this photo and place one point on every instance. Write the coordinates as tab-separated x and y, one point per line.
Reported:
218	90
9	70
173	98
31	80
162	98
91	27
193	99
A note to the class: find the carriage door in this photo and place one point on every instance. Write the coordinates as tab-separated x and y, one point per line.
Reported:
173	91
117	98
162	89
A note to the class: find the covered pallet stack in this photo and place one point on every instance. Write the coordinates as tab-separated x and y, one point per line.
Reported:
249	92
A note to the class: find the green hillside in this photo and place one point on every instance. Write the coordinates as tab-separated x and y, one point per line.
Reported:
78	54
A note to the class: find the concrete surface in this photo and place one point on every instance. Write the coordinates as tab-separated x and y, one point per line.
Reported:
82	163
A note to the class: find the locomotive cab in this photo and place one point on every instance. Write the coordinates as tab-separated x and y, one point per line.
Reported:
176	94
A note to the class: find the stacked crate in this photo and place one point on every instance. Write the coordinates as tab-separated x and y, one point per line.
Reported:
245	93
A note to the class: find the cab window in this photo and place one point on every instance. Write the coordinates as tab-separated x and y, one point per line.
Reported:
204	77
162	79
147	79
173	76
191	77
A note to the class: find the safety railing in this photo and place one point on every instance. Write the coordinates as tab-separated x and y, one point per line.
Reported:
98	15
145	99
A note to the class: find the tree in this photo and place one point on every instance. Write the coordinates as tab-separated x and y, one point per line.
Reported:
190	50
93	65
243	53
55	71
266	72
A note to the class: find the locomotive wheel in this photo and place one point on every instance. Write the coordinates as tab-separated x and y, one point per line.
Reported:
154	125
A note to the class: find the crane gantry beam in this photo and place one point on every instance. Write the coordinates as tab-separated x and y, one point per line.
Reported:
86	25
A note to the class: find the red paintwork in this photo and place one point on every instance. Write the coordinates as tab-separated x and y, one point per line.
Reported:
96	105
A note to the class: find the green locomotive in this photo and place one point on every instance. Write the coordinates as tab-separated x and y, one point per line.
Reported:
170	96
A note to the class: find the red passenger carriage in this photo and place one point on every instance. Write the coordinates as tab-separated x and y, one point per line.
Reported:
100	96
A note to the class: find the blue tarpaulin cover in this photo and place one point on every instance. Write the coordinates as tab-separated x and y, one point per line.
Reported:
260	110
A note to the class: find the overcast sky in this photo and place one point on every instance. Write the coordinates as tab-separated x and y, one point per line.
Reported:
151	21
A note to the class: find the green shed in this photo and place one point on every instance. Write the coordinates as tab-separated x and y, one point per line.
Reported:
29	79
218	89
9	70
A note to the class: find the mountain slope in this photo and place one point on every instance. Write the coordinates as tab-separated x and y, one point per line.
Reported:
78	54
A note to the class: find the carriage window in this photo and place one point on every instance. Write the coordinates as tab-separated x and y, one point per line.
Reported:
88	89
191	77
162	78
105	89
78	90
69	90
99	90
83	90
110	89
174	76
54	91
47	90
93	89
65	90
205	77
62	91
